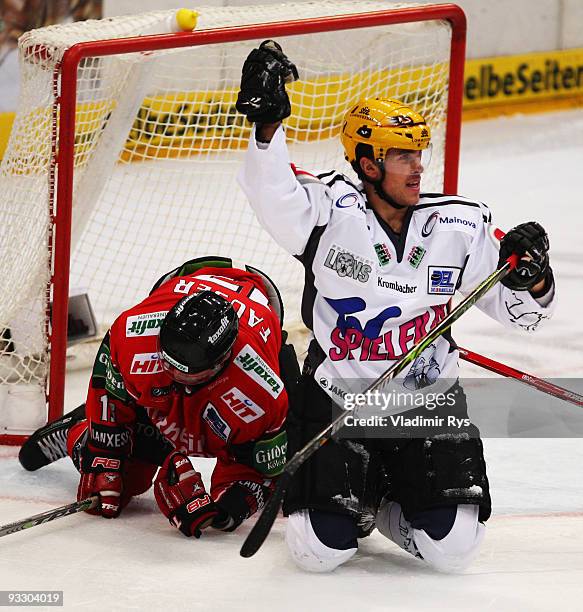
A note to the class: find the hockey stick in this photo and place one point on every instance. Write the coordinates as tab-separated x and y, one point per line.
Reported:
527	379
265	521
50	515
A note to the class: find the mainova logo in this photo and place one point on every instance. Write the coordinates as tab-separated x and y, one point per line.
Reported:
349	200
457	221
429	224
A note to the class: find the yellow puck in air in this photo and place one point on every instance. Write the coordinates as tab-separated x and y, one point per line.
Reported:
186	19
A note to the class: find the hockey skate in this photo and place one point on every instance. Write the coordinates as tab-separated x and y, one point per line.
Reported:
49	443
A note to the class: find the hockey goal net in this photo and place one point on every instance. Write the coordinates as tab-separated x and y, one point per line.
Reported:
123	156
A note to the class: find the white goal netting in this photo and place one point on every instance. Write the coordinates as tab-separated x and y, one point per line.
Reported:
158	143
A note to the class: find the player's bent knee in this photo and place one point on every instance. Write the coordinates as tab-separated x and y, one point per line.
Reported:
138	476
456	538
454	552
306	549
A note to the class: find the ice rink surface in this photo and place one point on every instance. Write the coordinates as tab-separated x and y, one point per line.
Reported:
525	168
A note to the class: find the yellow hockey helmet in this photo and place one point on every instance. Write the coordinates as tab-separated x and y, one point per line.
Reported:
383	123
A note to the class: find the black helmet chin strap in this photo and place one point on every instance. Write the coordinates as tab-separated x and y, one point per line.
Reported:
380	191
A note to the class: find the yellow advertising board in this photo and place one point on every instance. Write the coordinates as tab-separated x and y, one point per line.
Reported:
532	82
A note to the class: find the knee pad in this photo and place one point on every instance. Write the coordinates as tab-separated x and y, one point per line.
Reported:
452	553
459	547
137	477
307	551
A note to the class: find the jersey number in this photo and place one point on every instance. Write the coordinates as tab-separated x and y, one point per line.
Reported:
107	410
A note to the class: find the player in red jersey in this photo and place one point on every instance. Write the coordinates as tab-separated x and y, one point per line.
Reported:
192	370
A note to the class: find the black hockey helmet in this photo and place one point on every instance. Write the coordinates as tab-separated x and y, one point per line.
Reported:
196	337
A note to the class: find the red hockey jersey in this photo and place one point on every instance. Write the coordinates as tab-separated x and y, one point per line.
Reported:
237	417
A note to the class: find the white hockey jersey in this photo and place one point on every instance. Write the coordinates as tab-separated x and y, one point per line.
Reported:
371	294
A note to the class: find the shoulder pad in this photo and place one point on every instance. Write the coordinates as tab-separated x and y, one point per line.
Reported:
336	177
442	199
304	177
429	200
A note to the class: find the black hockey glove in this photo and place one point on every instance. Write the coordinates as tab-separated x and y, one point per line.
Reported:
241	500
263	98
526	240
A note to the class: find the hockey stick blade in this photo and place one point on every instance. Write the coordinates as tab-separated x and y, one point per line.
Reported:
265	521
262	527
50	515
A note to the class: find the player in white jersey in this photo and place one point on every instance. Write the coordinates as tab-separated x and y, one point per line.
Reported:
382	261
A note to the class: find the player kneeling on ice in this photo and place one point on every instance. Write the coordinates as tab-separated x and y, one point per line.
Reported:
382	261
195	369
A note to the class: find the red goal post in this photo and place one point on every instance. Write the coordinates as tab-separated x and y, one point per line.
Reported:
66	136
